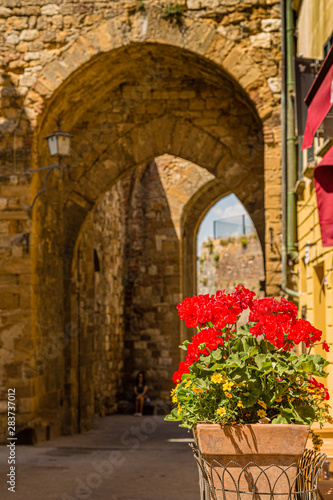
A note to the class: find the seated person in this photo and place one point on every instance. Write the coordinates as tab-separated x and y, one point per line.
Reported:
141	393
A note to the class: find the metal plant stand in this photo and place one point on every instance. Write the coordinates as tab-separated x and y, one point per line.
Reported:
217	482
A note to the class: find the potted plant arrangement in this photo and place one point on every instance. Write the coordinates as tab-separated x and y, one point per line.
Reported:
246	393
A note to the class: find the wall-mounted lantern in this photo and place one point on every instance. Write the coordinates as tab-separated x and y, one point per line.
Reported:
59	143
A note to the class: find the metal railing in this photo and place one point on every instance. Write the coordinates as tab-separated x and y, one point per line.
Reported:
233	226
236	482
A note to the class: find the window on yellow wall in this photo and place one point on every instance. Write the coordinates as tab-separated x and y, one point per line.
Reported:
319	305
303	276
319	299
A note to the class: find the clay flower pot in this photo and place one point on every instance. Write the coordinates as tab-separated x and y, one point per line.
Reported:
257	446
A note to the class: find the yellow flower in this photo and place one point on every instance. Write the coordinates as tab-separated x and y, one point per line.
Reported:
227	386
196	389
228	395
329	419
217	378
279	399
290	398
179	409
221	411
173	395
240	404
261	413
262	403
187	384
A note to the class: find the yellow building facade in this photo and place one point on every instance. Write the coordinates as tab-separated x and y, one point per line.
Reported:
314	265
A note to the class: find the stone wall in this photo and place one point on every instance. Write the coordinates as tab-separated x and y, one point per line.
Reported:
152	329
225	263
109	236
131	82
127	280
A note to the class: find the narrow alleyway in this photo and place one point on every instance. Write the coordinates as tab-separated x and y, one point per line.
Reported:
122	458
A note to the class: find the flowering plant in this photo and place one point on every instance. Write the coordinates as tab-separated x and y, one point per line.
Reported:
249	373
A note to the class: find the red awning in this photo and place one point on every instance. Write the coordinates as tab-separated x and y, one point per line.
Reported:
319	100
323	181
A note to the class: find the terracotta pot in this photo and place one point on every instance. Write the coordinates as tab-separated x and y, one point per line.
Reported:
257	447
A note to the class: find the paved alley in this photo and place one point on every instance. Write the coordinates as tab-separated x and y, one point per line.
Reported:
122	458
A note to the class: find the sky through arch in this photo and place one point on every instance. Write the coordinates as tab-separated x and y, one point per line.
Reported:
227	208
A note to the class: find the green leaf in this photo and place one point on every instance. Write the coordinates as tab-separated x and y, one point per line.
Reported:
239	375
201	383
253	352
174	416
306	414
216	355
250	398
184	345
280	420
215	367
283	368
263	362
311	363
206	359
234	360
286	417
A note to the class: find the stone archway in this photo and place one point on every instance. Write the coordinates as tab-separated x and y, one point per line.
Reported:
130	92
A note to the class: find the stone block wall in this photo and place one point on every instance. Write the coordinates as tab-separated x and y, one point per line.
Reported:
127	280
109	238
227	262
131	82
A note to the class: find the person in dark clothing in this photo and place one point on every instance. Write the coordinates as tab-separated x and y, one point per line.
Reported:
141	393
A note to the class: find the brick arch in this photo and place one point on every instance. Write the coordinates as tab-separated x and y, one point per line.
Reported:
214	118
195	36
195	211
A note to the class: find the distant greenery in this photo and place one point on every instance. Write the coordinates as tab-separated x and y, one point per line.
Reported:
173	11
140	6
244	241
216	257
209	245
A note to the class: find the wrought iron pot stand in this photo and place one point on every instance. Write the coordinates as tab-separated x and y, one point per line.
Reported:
252	482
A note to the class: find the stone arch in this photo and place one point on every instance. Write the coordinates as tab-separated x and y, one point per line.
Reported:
149	27
123	116
195	211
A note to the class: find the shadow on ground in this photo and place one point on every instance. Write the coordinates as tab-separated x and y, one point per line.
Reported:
122	458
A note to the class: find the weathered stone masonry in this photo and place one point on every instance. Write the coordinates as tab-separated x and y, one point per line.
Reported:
131	84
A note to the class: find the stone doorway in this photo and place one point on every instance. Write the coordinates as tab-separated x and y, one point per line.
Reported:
131	92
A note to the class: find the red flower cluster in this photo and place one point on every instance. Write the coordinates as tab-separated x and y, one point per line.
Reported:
182	368
320	388
277	321
210	337
326	347
220	310
268	306
203	342
303	331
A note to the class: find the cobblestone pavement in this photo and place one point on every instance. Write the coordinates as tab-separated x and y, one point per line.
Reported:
122	458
